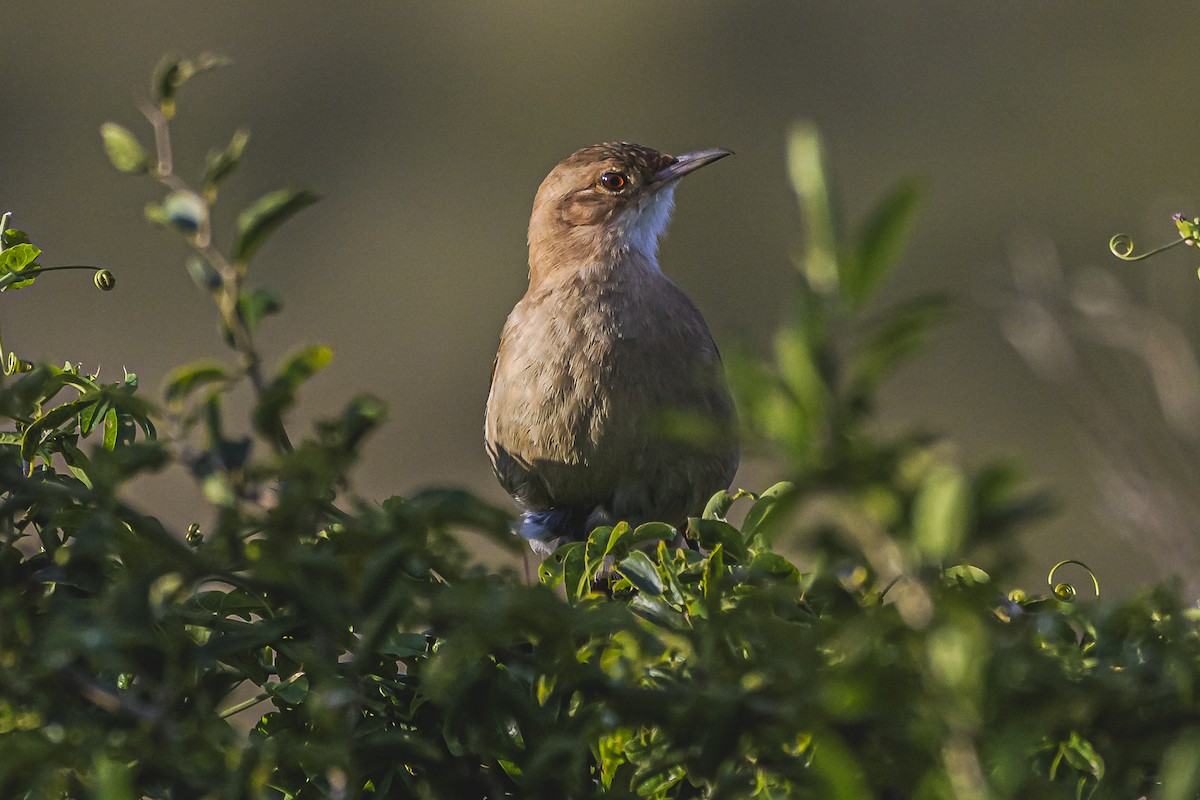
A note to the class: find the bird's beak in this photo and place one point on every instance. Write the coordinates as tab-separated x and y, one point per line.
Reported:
688	162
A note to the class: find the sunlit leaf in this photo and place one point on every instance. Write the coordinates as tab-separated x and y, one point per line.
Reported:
718	505
941	512
113	780
649	532
123	149
762	510
14	261
712	532
806	168
638	569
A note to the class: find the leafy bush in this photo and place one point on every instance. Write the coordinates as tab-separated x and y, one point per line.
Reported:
370	655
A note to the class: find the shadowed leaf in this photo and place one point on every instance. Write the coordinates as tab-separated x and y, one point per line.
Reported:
262	218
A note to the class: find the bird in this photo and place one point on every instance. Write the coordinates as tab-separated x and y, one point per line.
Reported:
608	399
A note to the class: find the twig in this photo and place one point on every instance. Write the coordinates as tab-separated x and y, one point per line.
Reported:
231	275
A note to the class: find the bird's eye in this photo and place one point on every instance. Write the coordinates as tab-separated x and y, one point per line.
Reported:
613	181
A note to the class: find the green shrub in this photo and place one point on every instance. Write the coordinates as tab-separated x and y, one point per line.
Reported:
311	643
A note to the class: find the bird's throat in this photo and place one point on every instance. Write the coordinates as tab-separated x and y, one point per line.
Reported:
639	228
625	244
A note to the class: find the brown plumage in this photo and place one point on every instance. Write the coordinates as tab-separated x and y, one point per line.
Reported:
608	400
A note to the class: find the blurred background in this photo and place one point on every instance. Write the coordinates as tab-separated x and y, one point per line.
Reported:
1038	130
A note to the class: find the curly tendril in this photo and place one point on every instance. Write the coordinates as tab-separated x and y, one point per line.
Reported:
1122	247
1065	591
103	279
12	363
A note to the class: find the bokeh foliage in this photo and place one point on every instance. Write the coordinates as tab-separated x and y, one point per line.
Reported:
305	642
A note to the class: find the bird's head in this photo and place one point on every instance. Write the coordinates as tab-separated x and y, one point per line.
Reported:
605	200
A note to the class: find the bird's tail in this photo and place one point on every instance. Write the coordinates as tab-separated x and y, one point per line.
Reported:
546	530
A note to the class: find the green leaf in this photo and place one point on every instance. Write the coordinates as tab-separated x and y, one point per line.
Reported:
13	281
651	532
796	359
90	417
601	543
714	573
266	214
596	546
11	237
718	505
550	571
575	579
114	780
638	569
764	506
879	243
897	334
655	609
941	512
231	603
182	381
966	575
841	775
1181	768
13	262
221	163
289	692
306	363
255	305
712	532
768	564
36	431
401	645
123	149
656	786
111	429
806	168
172	72
1000	503
443	507
1083	756
79	464
18	257
156	215
362	415
280	394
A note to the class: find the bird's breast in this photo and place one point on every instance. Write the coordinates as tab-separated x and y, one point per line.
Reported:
590	374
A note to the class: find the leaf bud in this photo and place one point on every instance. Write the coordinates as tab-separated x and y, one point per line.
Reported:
186	210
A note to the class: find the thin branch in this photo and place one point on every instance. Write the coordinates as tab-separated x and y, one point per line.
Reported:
265	694
231	275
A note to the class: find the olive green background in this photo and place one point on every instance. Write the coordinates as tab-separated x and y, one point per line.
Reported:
426	127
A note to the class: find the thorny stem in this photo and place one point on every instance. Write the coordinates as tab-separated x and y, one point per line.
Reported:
231	275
